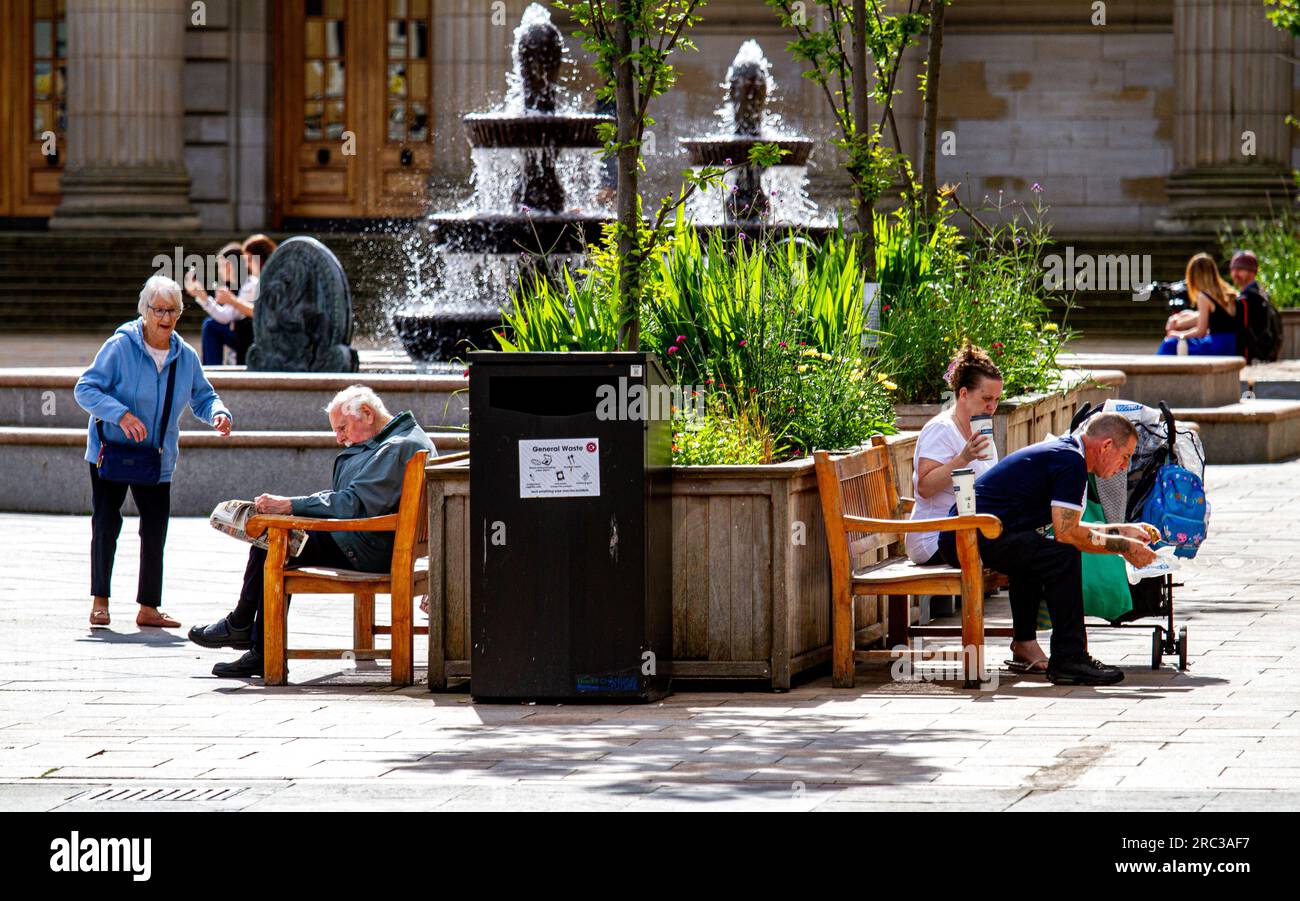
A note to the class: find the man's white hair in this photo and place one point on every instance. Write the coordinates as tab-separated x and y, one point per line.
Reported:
349	401
159	284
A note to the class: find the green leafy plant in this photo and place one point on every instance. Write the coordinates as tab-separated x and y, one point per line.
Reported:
769	327
716	439
1276	242
987	289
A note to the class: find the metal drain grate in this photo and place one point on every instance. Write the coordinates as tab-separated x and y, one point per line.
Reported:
150	795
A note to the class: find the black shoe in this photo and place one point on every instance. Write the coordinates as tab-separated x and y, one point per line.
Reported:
222	634
1082	670
248	665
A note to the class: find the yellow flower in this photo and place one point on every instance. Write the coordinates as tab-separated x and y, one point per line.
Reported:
803	368
810	353
1050	327
889	386
826	357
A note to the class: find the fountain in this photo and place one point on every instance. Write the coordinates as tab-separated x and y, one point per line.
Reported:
535	170
751	197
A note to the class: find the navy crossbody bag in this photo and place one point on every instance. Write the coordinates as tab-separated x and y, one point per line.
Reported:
132	463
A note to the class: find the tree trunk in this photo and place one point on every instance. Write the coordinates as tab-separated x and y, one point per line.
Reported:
629	214
864	213
929	183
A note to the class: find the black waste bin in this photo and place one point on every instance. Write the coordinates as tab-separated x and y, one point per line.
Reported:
570	524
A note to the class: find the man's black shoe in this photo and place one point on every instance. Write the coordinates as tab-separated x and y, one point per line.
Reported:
248	665
223	635
1082	670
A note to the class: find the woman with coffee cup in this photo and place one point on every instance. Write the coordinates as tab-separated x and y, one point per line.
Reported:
959	439
950	442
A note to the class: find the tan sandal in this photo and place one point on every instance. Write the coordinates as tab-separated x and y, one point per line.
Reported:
162	622
99	616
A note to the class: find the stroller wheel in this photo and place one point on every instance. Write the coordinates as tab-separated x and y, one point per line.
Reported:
1182	648
1157	649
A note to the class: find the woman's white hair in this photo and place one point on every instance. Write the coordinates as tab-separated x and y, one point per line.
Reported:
350	399
159	284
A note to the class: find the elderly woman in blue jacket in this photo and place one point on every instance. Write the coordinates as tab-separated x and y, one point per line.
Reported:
124	392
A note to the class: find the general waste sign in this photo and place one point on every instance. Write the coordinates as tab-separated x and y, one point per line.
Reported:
564	467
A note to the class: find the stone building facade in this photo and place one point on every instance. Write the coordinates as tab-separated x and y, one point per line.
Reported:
233	115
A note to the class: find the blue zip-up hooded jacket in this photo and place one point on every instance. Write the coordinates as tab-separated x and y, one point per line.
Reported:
368	482
124	378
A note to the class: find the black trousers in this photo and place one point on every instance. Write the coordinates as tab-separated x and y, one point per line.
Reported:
155	505
320	550
1038	568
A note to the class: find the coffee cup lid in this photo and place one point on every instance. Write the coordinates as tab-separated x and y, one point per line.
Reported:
963	472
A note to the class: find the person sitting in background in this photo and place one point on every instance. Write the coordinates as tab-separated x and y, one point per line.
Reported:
367	482
1260	337
221	328
1213	326
230	307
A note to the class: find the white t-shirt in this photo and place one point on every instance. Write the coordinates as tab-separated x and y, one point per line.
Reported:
159	355
225	313
939	441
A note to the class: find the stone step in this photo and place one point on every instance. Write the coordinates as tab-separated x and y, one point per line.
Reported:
1253	431
53	477
1178	381
259	402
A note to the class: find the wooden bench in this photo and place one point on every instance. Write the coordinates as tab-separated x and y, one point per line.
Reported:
864	521
407	578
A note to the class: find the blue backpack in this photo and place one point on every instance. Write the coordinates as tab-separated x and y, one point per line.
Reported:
1178	508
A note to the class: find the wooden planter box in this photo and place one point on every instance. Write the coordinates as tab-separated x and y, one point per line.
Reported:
1022	420
1290	335
751	574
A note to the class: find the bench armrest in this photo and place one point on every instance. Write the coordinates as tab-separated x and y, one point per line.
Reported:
988	524
905	503
256	526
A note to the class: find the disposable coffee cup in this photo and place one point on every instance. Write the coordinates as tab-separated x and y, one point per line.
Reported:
982	424
963	488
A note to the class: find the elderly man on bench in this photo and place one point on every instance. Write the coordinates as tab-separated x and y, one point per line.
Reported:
367	482
1046	484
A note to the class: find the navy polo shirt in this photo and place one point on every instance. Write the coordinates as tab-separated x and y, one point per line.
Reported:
1022	488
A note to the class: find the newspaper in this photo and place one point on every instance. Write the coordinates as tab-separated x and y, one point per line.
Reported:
231	517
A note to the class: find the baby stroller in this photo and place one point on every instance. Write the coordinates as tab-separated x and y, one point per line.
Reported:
1122	497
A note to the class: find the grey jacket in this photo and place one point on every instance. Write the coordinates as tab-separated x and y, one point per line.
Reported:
368	482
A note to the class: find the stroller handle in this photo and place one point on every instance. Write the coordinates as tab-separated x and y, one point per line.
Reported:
1171	430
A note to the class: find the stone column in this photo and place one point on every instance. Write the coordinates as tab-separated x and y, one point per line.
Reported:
1232	146
126	118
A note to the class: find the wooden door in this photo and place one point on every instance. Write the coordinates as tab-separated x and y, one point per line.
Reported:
353	107
400	106
33	112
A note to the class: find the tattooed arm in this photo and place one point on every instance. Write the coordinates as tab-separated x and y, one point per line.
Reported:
1091	540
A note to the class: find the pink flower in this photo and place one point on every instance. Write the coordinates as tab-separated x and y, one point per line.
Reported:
681	338
743	342
672	350
781	344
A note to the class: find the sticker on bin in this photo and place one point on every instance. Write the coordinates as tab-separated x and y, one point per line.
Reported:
564	467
